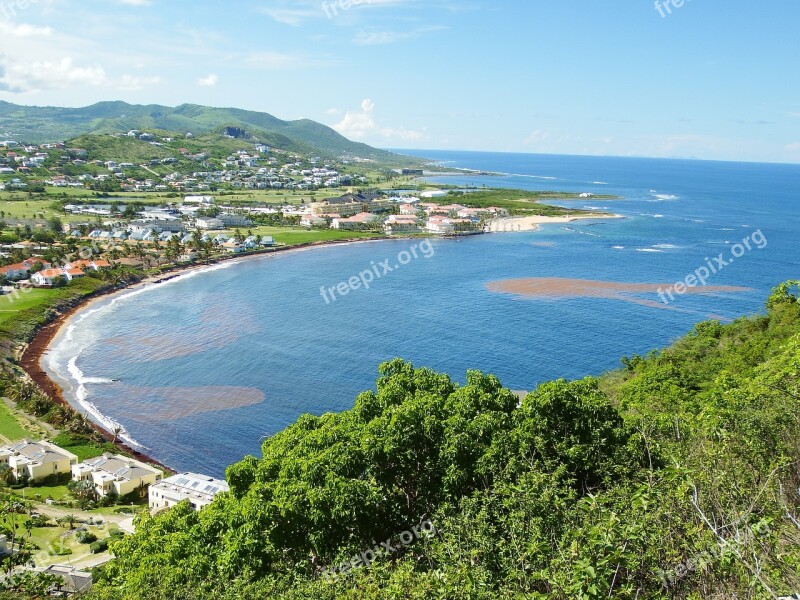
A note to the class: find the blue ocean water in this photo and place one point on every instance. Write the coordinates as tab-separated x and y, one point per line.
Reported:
198	370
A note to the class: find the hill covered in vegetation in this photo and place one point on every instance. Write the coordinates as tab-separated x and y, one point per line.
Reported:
676	477
35	124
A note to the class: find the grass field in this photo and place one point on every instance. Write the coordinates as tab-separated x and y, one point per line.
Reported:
10	304
25	209
292	236
81	447
10	427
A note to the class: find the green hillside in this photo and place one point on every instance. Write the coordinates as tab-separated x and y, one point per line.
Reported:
674	478
48	124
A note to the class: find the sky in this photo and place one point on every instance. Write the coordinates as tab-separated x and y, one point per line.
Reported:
672	78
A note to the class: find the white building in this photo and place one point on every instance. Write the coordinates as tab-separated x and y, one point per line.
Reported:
232	220
199	490
209	223
116	474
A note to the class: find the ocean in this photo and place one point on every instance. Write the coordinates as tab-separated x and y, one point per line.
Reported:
197	371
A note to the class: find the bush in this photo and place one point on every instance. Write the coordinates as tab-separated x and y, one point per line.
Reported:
85	537
99	546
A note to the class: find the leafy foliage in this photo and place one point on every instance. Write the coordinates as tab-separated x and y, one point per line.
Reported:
675	478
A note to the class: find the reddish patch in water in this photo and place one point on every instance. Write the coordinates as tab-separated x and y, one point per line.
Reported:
552	288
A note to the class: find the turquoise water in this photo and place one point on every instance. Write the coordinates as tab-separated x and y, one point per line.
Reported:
199	369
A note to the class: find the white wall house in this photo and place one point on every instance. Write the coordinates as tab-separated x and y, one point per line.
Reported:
209	223
199	490
37	459
114	473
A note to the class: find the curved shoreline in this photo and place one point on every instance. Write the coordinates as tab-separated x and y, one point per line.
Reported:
34	352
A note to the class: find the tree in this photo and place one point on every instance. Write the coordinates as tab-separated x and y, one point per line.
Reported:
56	226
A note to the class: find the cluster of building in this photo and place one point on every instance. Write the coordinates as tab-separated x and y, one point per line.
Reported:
110	474
45	275
259	167
406	214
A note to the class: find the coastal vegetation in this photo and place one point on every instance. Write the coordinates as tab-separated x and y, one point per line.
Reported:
675	477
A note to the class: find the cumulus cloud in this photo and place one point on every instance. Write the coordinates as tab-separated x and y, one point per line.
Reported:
135	2
210	81
361	124
44	75
35	76
23	30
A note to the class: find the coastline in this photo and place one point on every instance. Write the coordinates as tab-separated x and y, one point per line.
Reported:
33	353
509	224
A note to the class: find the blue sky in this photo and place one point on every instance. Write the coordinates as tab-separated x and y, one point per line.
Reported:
712	80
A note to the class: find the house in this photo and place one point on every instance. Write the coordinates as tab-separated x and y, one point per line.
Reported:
92	265
362	220
23	268
267	240
37	460
446	225
199	490
74	581
231	220
233	247
408	209
115	474
209	223
48	277
398	223
142	236
312	221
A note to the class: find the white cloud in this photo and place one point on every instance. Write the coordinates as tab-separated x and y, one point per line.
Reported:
793	148
291	16
36	76
133	83
277	61
47	75
360	124
536	137
210	81
375	38
135	2
23	30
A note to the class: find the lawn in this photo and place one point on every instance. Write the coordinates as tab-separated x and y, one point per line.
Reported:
82	447
29	300
25	209
10	427
292	236
43	492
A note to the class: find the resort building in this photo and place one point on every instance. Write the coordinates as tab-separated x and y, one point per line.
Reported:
36	459
363	220
49	277
114	474
74	582
199	490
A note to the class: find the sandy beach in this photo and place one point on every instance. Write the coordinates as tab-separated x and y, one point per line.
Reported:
508	224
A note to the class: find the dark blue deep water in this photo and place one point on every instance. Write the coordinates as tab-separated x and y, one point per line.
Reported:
200	369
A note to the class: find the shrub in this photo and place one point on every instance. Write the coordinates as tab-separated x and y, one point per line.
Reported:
86	537
99	546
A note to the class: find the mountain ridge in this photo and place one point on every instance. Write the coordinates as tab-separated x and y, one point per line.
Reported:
40	124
